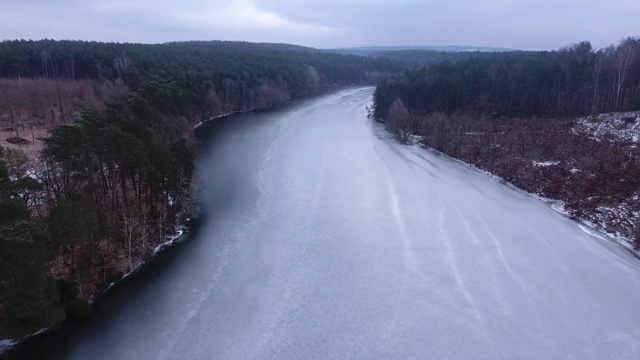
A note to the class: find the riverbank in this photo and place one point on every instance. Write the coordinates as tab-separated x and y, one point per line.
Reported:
193	209
584	169
117	266
558	206
321	90
170	240
38	345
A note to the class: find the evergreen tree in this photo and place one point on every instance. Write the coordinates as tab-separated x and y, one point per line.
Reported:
31	298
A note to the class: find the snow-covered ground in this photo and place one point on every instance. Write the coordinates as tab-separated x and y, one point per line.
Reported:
622	126
327	240
545	163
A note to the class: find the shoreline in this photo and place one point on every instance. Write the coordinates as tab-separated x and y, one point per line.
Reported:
319	91
180	229
237	112
558	206
169	240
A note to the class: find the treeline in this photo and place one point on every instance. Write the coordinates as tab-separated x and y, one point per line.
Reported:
417	59
210	77
573	81
512	114
99	162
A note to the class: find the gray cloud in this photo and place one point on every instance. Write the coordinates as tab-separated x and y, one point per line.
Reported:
525	24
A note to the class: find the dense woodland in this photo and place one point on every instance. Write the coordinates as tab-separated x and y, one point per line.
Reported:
416	59
573	81
197	79
97	156
513	114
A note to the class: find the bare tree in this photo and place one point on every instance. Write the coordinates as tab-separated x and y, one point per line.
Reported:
398	120
625	54
598	66
122	64
45	59
135	230
129	230
313	78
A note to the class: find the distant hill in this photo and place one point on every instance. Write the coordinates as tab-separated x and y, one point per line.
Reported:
369	50
239	46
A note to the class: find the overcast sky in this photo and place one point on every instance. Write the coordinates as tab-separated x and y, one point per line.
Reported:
521	24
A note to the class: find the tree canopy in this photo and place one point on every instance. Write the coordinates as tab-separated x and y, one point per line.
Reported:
570	82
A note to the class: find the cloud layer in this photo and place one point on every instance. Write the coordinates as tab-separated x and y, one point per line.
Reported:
524	24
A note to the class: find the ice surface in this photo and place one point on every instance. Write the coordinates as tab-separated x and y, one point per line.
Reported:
329	240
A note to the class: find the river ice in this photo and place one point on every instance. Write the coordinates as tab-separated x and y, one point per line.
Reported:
328	240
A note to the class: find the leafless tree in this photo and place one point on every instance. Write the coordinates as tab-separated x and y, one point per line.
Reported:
122	64
625	54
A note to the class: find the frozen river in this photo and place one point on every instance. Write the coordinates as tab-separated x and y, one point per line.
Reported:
326	239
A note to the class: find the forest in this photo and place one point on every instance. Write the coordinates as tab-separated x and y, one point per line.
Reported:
96	155
517	115
573	81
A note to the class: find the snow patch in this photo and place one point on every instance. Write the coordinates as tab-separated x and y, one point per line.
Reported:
6	345
592	233
560	207
414	139
623	126
201	123
170	240
545	163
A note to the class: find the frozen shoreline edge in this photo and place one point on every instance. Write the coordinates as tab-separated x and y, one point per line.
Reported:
276	105
558	206
170	240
